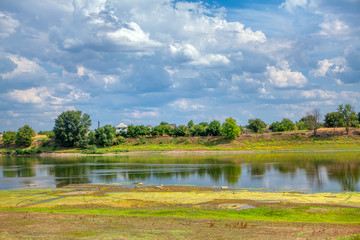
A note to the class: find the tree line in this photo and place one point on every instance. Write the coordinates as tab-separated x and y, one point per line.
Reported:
72	128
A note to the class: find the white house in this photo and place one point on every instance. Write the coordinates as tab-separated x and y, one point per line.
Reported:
121	128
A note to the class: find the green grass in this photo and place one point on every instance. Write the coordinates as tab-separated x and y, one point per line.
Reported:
255	142
299	214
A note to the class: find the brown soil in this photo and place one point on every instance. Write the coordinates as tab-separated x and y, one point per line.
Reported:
34	225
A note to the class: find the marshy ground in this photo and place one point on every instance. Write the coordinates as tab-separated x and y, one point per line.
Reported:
176	212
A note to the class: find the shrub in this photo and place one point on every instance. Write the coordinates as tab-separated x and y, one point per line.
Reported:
91	149
19	151
7	152
120	140
9	137
45	142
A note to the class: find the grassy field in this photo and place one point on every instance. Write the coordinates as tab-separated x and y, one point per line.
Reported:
327	139
104	212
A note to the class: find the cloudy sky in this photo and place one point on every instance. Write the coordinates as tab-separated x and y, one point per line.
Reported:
147	61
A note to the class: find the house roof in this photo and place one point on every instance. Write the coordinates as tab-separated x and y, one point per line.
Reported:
121	125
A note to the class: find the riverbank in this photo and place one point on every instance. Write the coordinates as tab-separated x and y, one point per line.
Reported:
164	212
327	140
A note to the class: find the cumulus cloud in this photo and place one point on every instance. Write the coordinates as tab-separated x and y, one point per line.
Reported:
333	27
290	5
42	96
284	77
173	59
8	25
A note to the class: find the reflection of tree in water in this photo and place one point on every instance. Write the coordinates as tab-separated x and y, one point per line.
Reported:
19	167
71	174
347	174
257	169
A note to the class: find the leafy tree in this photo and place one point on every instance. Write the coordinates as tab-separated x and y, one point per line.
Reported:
143	130
132	131
301	125
162	130
214	128
190	124
181	131
230	129
277	127
71	127
312	120
288	125
349	115
200	130
285	125
163	123
105	135
9	137
334	119
256	125
24	136
91	138
358	116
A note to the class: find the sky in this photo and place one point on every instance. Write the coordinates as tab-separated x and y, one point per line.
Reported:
147	61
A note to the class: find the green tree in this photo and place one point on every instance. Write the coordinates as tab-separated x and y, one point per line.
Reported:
190	124
9	137
132	131
256	125
334	119
301	125
200	130
349	115
288	125
181	131
358	116
230	129
71	127
214	128
24	136
105	135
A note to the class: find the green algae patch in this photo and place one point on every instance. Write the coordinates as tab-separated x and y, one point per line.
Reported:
143	199
299	214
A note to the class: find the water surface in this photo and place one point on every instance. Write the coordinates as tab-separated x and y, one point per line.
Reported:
310	172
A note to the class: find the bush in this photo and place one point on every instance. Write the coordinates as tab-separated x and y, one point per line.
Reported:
91	149
7	152
9	137
45	142
121	150
120	139
19	151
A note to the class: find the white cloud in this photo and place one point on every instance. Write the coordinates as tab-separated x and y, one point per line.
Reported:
290	5
43	96
24	67
284	77
131	35
186	104
147	113
318	93
8	25
32	95
323	68
333	27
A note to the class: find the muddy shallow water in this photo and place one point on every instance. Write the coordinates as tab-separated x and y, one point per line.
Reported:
307	172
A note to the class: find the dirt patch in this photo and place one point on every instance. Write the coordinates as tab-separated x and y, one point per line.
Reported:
31	225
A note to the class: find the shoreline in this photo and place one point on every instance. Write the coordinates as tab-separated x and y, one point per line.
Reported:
180	152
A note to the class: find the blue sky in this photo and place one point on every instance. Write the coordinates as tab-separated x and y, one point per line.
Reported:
147	61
